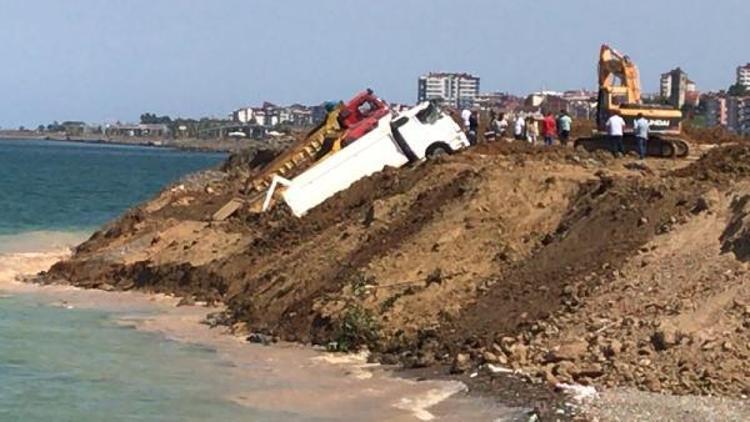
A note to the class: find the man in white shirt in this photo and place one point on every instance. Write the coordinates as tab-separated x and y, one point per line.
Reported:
501	125
615	131
518	128
465	116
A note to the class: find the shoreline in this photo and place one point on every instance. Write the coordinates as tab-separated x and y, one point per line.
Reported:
188	145
374	391
141	143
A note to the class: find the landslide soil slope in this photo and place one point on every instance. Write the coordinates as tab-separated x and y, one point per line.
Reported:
567	265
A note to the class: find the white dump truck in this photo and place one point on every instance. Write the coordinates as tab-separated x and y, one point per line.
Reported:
419	132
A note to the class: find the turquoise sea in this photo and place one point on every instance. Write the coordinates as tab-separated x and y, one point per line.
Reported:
58	364
51	185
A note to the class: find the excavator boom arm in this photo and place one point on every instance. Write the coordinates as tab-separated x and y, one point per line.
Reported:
614	66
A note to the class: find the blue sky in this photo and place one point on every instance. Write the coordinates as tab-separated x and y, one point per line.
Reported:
105	60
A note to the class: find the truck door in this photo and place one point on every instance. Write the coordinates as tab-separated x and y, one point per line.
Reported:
417	131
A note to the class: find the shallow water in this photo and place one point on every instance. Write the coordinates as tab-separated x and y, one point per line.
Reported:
80	365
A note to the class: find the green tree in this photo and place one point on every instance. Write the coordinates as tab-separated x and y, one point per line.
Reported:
151	118
738	90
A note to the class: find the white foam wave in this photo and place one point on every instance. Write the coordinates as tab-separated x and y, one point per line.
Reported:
29	253
13	266
40	241
418	405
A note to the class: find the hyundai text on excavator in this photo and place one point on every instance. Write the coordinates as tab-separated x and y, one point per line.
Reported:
620	92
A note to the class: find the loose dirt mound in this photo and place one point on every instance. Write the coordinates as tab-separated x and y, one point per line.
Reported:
569	265
722	165
713	135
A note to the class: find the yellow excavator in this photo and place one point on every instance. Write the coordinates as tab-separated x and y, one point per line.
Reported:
620	92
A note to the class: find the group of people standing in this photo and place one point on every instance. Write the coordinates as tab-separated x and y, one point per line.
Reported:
528	128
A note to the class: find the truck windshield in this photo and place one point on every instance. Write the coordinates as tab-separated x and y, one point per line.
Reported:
429	115
366	108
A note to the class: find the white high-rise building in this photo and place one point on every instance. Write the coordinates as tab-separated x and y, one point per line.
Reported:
665	85
455	89
674	86
743	75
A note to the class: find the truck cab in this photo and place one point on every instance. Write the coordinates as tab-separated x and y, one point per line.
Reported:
361	114
426	131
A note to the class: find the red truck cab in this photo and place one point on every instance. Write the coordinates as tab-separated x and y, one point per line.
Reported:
361	114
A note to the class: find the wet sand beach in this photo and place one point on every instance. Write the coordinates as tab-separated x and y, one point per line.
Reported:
277	378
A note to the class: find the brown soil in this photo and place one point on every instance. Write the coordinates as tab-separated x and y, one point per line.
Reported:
567	265
711	135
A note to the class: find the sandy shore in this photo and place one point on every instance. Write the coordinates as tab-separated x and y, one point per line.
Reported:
305	381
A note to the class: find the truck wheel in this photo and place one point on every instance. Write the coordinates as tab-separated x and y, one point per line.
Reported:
437	150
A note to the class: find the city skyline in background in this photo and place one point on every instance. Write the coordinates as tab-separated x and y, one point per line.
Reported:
106	61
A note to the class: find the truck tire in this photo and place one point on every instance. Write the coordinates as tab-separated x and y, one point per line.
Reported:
438	149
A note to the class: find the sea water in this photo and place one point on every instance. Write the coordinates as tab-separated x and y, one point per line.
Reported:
60	362
51	185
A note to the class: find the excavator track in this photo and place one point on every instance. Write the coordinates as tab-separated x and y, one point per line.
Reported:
682	149
656	146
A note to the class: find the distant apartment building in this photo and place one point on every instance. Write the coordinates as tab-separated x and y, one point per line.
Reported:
665	85
499	101
744	117
297	115
243	115
270	115
738	115
138	130
677	89
581	104
74	128
535	99
459	90
743	75
733	107
715	109
554	104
